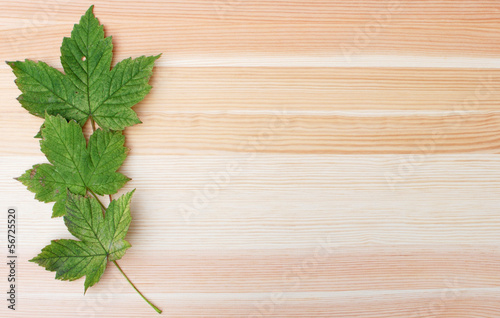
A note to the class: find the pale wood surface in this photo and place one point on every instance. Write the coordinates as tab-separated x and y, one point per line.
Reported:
361	140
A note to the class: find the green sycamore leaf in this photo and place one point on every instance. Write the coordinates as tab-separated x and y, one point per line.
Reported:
88	89
74	165
102	239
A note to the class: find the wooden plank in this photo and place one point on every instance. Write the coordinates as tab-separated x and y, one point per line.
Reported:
163	134
317	28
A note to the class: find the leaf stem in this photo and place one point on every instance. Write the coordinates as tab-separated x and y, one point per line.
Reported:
97	198
137	290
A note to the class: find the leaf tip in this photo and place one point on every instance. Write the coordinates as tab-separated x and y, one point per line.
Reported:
34	260
57	214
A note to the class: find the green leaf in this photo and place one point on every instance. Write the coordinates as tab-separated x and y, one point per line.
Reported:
74	165
102	239
88	89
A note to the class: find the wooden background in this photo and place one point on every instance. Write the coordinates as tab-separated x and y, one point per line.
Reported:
297	159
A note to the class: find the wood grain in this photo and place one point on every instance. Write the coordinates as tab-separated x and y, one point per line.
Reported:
296	159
